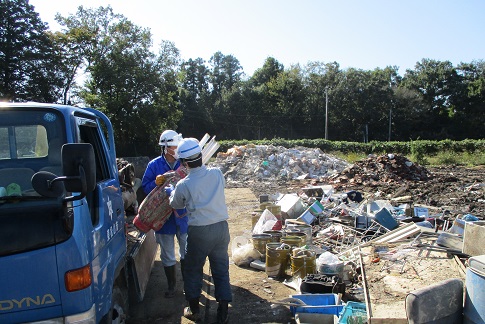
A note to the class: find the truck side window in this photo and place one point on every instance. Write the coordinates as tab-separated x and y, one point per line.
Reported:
89	134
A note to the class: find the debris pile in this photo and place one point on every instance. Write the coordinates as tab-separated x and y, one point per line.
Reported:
359	246
268	162
385	169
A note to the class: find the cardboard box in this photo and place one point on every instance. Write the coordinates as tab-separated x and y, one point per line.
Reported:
291	206
474	238
311	213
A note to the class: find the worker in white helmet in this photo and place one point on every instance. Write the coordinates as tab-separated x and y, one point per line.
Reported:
201	192
175	226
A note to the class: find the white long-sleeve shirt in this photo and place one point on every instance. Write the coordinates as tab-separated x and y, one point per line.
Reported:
201	192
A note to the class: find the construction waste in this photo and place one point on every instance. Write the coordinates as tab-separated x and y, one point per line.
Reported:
268	162
353	257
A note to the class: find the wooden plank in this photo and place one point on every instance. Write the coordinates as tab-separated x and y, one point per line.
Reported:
402	231
474	238
364	284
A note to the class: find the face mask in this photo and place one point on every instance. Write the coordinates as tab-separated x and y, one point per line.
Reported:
173	153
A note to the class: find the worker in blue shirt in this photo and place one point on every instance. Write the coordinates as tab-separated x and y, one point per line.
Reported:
175	226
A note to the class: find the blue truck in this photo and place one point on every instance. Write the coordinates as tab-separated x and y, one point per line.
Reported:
68	250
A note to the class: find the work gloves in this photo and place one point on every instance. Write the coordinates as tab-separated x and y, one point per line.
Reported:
160	180
169	189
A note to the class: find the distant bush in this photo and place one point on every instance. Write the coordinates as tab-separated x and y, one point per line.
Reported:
420	148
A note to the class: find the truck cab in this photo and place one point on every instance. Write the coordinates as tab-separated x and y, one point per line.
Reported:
64	255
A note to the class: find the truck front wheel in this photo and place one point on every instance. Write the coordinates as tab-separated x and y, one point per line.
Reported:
119	306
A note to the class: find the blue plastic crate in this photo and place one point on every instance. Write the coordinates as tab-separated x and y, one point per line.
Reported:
317	303
353	309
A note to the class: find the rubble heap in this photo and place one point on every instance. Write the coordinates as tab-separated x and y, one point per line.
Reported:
268	162
384	169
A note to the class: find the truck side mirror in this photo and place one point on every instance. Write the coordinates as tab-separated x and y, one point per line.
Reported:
43	183
79	170
79	167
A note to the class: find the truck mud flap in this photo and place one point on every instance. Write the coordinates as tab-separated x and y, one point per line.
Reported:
141	258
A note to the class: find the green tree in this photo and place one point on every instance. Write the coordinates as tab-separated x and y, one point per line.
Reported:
271	68
125	79
470	102
225	72
195	98
83	38
227	107
408	115
319	80
437	82
284	97
27	57
168	63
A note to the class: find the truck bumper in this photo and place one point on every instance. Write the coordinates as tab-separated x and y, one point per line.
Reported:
88	317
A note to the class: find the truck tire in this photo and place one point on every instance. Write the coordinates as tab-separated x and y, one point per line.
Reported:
119	306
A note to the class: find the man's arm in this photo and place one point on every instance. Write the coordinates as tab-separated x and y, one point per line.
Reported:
177	197
148	180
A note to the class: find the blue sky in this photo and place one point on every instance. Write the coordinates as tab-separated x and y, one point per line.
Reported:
354	33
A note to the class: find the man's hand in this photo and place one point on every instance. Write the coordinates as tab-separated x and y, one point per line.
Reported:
169	189
160	180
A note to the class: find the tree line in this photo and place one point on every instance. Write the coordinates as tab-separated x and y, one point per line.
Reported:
101	59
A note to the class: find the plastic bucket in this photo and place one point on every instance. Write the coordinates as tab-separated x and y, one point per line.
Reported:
277	256
307	229
275	235
474	310
303	264
293	241
260	241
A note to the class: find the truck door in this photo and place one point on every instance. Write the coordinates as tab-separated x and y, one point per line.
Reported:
107	215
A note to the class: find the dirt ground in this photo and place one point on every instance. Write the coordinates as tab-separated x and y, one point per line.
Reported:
253	292
456	190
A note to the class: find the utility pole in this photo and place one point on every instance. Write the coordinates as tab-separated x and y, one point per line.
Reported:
326	112
390	118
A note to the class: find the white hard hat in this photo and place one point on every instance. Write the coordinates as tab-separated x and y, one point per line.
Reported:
188	147
170	138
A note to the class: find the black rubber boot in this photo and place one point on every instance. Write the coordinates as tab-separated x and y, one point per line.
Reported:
171	280
182	266
222	312
192	312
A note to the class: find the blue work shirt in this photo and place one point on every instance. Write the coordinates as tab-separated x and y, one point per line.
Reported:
156	167
201	192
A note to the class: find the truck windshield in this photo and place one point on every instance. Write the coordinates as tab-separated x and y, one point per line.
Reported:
30	141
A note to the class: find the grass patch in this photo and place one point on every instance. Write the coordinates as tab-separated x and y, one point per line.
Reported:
458	158
349	157
445	158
